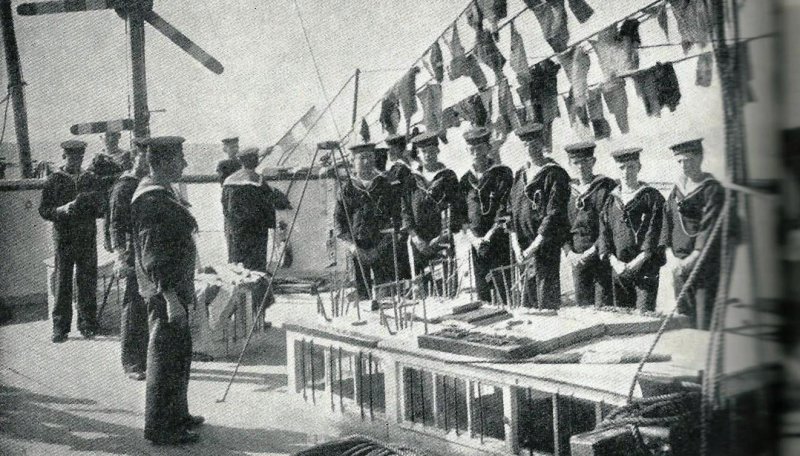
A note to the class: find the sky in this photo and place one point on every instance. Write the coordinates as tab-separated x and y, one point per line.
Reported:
76	69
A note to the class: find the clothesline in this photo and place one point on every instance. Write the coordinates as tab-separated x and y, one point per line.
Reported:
729	41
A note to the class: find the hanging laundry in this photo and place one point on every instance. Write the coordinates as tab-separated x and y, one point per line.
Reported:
594	107
473	110
647	88
475	72
364	132
693	22
544	90
519	58
576	113
616	53
450	118
431	99
630	29
581	10
492	11
660	12
475	16
437	62
669	92
486	99
505	103
705	69
458	62
488	53
616	98
745	71
552	17
406	91
390	113
576	65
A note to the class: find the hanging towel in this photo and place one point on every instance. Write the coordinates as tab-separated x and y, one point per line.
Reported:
616	53
693	22
431	99
552	17
576	65
705	70
406	91
660	12
488	53
390	113
458	62
437	62
581	10
594	107
519	58
616	98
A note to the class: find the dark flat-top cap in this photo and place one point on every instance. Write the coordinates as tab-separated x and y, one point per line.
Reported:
363	147
623	155
476	136
580	150
426	139
73	145
231	140
396	140
530	131
693	146
165	144
248	151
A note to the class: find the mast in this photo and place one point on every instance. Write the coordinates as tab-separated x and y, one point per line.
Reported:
141	115
15	88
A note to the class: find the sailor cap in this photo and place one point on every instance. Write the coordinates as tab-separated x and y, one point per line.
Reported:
530	131
476	136
580	150
628	154
74	145
688	147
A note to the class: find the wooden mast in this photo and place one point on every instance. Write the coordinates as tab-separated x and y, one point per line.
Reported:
141	115
15	89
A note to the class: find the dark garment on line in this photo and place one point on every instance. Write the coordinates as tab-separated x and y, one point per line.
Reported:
488	53
594	107
474	71
542	91
660	11
437	62
473	110
576	113
552	17
165	256
693	22
390	113
227	167
630	29
519	58
705	70
450	118
539	207
486	199
75	245
593	278
658	87
406	91
576	64
134	332
474	16
458	57
490	11
617	54
689	220
582	11
431	99
248	205
626	230
507	113
616	98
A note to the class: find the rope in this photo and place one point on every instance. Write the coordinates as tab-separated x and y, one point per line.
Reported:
7	101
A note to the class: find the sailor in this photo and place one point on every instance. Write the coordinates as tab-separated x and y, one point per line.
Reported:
540	224
486	188
363	210
436	191
72	201
133	328
248	204
631	235
119	156
693	206
165	266
398	173
228	166
591	274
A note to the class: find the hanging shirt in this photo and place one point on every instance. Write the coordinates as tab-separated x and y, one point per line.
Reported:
539	204
616	53
691	215
429	197
693	22
406	91
486	197
632	224
585	206
552	17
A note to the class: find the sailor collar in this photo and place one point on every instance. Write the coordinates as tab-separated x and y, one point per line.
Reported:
475	178
244	177
422	173
366	186
630	197
146	185
593	186
539	171
680	186
390	164
61	171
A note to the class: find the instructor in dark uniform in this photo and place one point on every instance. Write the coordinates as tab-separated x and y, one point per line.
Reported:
486	188
165	266
693	207
363	210
133	328
591	274
228	166
539	219
72	201
631	235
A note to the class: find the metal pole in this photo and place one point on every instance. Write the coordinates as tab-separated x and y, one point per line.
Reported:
15	89
355	99
141	115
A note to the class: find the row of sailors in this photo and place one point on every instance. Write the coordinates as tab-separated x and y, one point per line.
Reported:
614	233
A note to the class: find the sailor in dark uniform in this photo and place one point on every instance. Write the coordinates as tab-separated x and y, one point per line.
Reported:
540	224
165	257
692	209
72	200
398	173
631	235
133	328
228	166
486	188
436	189
248	204
591	274
363	210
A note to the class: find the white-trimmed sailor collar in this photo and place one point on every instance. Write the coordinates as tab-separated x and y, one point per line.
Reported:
680	185
629	197
425	174
244	176
532	179
483	174
589	188
146	185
